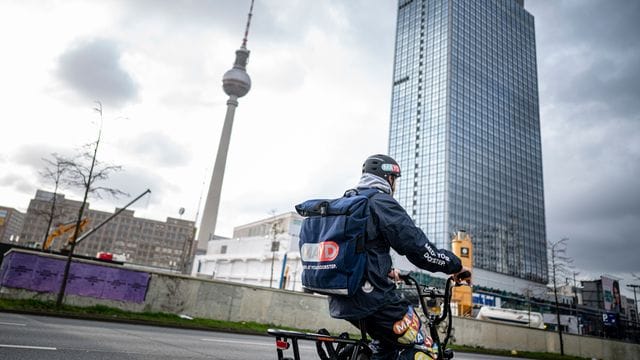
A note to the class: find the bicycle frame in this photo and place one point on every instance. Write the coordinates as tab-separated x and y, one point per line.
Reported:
282	343
433	320
284	336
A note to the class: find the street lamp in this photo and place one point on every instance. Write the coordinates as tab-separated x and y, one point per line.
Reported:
635	299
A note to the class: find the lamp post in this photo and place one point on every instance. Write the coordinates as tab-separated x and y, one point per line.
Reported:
635	299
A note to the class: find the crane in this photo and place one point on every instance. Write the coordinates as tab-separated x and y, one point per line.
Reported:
61	230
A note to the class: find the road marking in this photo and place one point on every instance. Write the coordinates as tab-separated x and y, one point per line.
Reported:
28	347
236	342
14	324
249	343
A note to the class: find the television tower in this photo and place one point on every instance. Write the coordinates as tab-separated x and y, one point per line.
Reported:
236	83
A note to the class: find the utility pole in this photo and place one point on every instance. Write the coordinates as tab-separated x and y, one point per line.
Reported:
635	300
275	245
575	302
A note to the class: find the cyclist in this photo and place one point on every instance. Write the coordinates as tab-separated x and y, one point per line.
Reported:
390	319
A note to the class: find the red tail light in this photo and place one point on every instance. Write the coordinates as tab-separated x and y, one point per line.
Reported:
282	345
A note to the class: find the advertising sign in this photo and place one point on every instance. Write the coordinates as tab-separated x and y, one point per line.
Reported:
488	300
607	292
609	319
611	294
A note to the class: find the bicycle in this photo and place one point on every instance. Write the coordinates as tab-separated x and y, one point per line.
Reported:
286	339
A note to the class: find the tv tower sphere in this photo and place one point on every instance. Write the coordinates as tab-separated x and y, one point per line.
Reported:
236	82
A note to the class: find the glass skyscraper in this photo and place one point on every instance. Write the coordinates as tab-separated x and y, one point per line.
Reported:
465	129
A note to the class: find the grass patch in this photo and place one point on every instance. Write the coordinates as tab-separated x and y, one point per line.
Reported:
101	312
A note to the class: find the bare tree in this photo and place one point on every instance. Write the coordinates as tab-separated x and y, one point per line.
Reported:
85	172
54	171
560	266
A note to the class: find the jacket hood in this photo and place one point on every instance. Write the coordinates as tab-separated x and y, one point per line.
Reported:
368	181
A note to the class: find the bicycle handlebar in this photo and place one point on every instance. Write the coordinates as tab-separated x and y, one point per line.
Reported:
451	282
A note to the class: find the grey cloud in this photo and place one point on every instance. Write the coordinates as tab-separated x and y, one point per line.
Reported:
611	25
134	181
158	148
29	158
199	16
93	70
614	83
19	182
593	171
603	245
589	56
272	21
187	14
592	50
592	193
32	155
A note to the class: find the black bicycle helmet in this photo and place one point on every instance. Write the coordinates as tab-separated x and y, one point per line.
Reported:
381	165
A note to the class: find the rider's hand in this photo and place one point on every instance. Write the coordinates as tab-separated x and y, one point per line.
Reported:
463	276
395	275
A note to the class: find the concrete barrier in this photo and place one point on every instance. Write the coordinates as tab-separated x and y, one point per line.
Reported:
491	335
221	300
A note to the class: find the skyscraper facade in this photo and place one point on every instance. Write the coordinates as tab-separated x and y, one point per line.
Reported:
465	128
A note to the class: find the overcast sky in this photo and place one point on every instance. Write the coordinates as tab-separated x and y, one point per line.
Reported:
319	105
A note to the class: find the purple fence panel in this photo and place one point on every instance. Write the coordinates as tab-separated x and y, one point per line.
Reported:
4	270
19	270
44	274
86	280
116	284
137	283
47	274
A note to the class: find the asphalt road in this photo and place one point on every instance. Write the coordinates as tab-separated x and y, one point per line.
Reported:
25	337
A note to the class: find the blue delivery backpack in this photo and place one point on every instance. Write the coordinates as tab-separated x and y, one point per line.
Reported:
332	242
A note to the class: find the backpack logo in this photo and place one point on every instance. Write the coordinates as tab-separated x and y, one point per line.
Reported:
321	252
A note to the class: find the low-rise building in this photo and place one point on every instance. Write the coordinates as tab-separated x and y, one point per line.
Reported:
11	221
263	253
157	244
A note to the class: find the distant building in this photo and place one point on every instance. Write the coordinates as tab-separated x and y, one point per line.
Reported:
11	221
592	294
567	294
263	253
603	294
146	242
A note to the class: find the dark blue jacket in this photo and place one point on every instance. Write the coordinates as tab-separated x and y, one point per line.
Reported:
390	227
